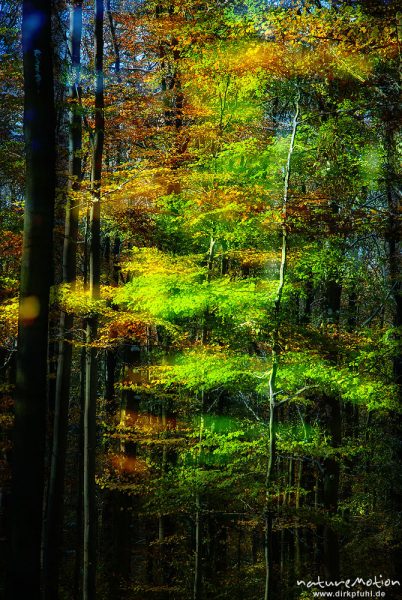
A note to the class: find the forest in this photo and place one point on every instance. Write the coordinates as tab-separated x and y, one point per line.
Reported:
200	299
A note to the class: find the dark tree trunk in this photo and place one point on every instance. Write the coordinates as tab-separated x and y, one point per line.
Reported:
36	278
113	248
111	404
333	302
198	530
394	236
352	310
55	505
113	32
80	485
332	418
90	512
307	307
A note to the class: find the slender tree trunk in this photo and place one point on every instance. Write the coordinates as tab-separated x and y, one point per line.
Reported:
331	417
89	489
298	484
115	245
331	490
111	354
115	42
198	518
197	553
55	499
36	278
333	302
268	554
275	366
210	263
306	307
90	513
198	528
80	484
111	404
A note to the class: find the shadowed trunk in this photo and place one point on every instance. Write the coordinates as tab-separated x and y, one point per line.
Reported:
36	278
55	508
90	512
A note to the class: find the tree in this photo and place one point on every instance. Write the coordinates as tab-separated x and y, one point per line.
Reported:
36	279
55	494
91	383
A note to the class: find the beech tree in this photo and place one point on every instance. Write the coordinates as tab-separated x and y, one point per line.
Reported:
89	545
55	494
36	279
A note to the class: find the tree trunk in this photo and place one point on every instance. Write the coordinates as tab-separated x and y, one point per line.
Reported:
55	508
115	42
273	409
111	404
36	278
113	269
89	566
197	584
197	550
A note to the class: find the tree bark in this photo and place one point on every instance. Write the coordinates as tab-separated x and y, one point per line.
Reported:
55	504
36	279
89	550
197	583
275	365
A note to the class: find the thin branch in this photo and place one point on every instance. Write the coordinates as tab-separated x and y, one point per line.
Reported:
300	391
249	408
303	422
